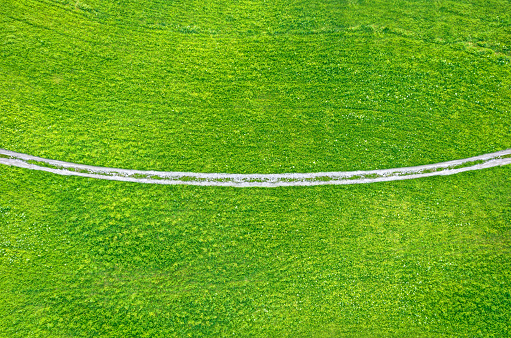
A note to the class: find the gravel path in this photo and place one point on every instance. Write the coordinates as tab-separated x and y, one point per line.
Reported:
499	158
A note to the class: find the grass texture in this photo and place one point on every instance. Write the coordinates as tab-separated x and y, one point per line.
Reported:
255	86
84	257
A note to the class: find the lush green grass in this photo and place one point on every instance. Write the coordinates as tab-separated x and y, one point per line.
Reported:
85	257
254	86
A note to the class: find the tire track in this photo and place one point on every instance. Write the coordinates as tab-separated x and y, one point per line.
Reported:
484	161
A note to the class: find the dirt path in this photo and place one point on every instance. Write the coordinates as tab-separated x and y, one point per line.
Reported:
499	158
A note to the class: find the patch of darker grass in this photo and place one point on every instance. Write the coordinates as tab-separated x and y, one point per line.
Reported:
139	176
372	176
51	166
191	179
468	164
43	164
427	171
323	178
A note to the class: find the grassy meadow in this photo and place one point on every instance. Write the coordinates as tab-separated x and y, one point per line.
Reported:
255	87
424	258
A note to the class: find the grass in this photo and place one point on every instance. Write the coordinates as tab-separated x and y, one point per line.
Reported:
85	257
468	164
255	87
51	166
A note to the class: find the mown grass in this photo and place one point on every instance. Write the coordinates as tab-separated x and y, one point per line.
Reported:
269	87
85	257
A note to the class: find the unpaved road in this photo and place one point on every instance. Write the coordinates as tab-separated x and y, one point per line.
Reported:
499	158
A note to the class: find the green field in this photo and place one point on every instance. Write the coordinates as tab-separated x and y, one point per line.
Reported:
84	257
255	87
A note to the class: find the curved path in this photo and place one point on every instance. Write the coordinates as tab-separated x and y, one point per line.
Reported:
499	158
